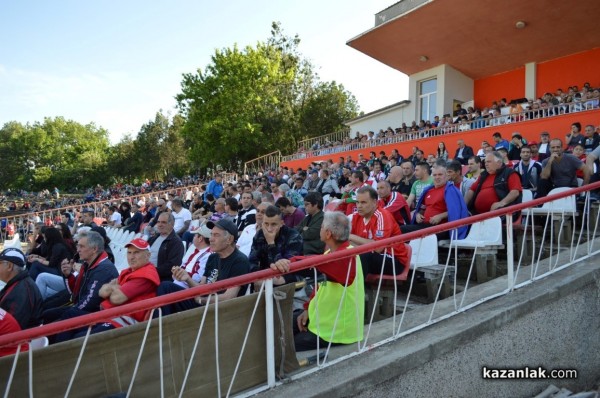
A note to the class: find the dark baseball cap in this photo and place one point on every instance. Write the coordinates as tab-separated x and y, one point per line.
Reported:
226	225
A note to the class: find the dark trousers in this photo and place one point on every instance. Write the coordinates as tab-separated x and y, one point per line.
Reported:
63	313
170	287
188	238
77	333
372	262
306	341
59	313
56	300
545	185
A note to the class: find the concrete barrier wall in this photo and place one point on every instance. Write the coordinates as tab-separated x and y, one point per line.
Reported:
553	323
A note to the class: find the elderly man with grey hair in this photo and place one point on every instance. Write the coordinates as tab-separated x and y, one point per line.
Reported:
320	324
498	186
84	279
294	197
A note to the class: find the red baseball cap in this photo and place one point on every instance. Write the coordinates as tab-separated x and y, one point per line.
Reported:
139	243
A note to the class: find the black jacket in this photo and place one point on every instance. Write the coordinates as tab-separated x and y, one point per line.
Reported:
466	154
23	300
87	298
310	230
170	254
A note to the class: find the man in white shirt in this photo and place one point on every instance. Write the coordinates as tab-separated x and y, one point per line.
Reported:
244	243
114	217
182	216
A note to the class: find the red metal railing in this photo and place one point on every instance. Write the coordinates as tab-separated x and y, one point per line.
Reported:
105	315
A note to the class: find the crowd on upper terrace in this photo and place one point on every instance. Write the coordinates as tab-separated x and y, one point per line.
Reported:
499	112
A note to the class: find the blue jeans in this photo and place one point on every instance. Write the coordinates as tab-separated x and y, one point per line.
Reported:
38	268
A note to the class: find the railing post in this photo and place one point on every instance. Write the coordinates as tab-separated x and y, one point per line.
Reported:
270	325
509	251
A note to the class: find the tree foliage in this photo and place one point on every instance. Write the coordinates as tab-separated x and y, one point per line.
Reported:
326	109
252	101
55	152
158	151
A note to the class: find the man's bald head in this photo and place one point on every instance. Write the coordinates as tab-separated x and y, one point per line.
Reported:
395	175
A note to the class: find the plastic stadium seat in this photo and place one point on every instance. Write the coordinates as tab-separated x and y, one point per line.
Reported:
424	252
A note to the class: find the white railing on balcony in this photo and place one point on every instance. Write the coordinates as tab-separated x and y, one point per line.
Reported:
319	148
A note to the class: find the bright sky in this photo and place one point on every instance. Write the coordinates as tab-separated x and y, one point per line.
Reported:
117	63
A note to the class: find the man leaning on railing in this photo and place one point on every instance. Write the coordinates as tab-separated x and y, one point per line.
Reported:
343	292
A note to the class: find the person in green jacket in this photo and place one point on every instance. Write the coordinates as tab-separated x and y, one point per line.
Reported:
335	313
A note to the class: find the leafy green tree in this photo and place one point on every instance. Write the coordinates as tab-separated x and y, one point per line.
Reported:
123	165
15	143
326	110
251	101
160	149
55	152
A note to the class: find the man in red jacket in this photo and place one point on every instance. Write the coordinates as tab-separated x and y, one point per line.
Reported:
136	283
372	223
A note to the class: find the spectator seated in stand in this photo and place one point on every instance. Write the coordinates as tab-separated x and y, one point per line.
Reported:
20	296
182	217
133	223
371	223
292	215
423	180
226	261
247	213
190	273
393	202
529	170
57	252
560	170
310	227
8	324
166	247
348	203
439	203
454	171
274	241
498	186
135	283
84	280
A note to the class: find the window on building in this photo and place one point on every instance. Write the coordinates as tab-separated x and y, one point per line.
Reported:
427	99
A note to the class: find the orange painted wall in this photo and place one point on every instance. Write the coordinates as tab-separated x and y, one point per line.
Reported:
509	85
563	72
557	126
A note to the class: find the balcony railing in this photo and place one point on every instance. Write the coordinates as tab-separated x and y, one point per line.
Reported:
411	136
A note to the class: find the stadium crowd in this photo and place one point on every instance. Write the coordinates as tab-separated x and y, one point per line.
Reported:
497	113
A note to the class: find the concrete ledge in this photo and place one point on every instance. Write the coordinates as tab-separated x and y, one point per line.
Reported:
554	323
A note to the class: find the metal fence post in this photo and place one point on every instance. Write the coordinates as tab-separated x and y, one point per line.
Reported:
509	251
270	325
